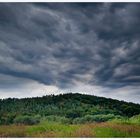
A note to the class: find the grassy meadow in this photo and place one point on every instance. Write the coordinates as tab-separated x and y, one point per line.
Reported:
110	129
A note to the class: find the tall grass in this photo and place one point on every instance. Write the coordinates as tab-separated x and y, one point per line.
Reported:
56	129
117	130
13	131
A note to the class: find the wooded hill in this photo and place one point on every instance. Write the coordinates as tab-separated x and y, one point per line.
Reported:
69	107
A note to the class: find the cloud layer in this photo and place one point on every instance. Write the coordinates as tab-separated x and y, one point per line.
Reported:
60	47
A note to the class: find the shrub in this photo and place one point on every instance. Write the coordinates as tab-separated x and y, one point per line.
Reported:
7	119
103	118
95	118
73	114
58	119
30	120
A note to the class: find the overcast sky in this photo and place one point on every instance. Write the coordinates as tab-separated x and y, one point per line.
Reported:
52	48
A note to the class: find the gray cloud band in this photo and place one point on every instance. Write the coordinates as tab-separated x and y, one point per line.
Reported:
60	44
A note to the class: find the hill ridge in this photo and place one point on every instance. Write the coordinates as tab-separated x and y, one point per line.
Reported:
68	105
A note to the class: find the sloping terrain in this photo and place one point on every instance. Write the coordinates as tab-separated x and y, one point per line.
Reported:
68	107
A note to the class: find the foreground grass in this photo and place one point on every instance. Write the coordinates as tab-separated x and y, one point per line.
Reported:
52	129
117	130
13	131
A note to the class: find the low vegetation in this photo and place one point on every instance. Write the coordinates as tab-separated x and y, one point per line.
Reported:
55	129
27	120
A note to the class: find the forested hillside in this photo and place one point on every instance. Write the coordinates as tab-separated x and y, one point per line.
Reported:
69	108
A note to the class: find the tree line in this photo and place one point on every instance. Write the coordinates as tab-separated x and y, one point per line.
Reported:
69	107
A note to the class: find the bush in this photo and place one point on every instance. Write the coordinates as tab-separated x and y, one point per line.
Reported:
30	120
103	118
58	119
73	114
95	118
7	119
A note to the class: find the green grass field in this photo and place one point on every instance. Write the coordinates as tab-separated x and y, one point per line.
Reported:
53	129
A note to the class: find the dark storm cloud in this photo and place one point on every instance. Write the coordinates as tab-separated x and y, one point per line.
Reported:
57	44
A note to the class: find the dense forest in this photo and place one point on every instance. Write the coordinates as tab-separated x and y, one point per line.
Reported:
69	108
